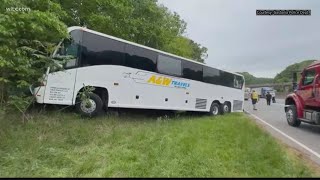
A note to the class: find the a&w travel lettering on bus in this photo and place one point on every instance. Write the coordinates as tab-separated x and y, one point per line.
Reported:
164	81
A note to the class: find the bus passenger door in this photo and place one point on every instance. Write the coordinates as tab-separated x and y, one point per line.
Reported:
60	84
60	87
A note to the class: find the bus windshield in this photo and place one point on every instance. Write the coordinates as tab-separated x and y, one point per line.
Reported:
67	52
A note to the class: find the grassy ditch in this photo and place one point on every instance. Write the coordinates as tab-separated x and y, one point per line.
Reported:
136	145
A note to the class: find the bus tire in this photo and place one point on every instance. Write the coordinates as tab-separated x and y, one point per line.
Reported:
92	108
215	109
225	108
291	115
105	100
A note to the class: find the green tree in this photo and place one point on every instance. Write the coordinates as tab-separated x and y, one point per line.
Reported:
144	22
250	79
27	39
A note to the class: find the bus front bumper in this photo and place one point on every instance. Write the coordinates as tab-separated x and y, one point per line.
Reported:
38	93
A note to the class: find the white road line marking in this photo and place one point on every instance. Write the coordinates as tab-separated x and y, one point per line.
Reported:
279	104
287	136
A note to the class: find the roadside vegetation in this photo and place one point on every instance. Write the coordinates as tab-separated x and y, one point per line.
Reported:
28	38
141	144
250	79
284	76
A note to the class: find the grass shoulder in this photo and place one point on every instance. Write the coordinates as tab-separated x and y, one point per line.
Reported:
137	145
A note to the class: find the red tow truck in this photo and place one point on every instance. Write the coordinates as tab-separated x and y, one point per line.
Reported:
303	105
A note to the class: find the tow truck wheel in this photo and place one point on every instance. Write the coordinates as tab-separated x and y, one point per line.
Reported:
291	115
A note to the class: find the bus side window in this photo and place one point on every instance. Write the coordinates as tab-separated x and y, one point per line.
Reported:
192	71
140	58
99	50
211	75
168	65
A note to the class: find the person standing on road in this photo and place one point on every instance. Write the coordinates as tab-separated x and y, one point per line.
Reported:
268	98
273	98
254	98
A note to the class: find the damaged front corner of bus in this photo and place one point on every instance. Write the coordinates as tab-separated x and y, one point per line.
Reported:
38	90
63	58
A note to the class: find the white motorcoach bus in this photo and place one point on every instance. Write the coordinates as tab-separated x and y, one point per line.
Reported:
129	75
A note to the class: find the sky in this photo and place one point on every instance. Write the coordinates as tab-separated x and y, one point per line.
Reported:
239	41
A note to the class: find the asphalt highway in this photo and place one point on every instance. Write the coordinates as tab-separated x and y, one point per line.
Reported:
305	138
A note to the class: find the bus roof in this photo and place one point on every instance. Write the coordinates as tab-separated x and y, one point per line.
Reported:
136	44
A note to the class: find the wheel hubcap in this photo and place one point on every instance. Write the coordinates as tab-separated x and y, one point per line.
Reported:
88	106
226	108
215	110
289	115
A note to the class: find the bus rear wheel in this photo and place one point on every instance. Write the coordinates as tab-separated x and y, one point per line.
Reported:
215	109
225	108
91	106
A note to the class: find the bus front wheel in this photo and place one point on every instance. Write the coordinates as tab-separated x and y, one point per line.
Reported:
90	107
215	109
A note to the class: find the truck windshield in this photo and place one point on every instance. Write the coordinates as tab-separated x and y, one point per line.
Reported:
308	77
